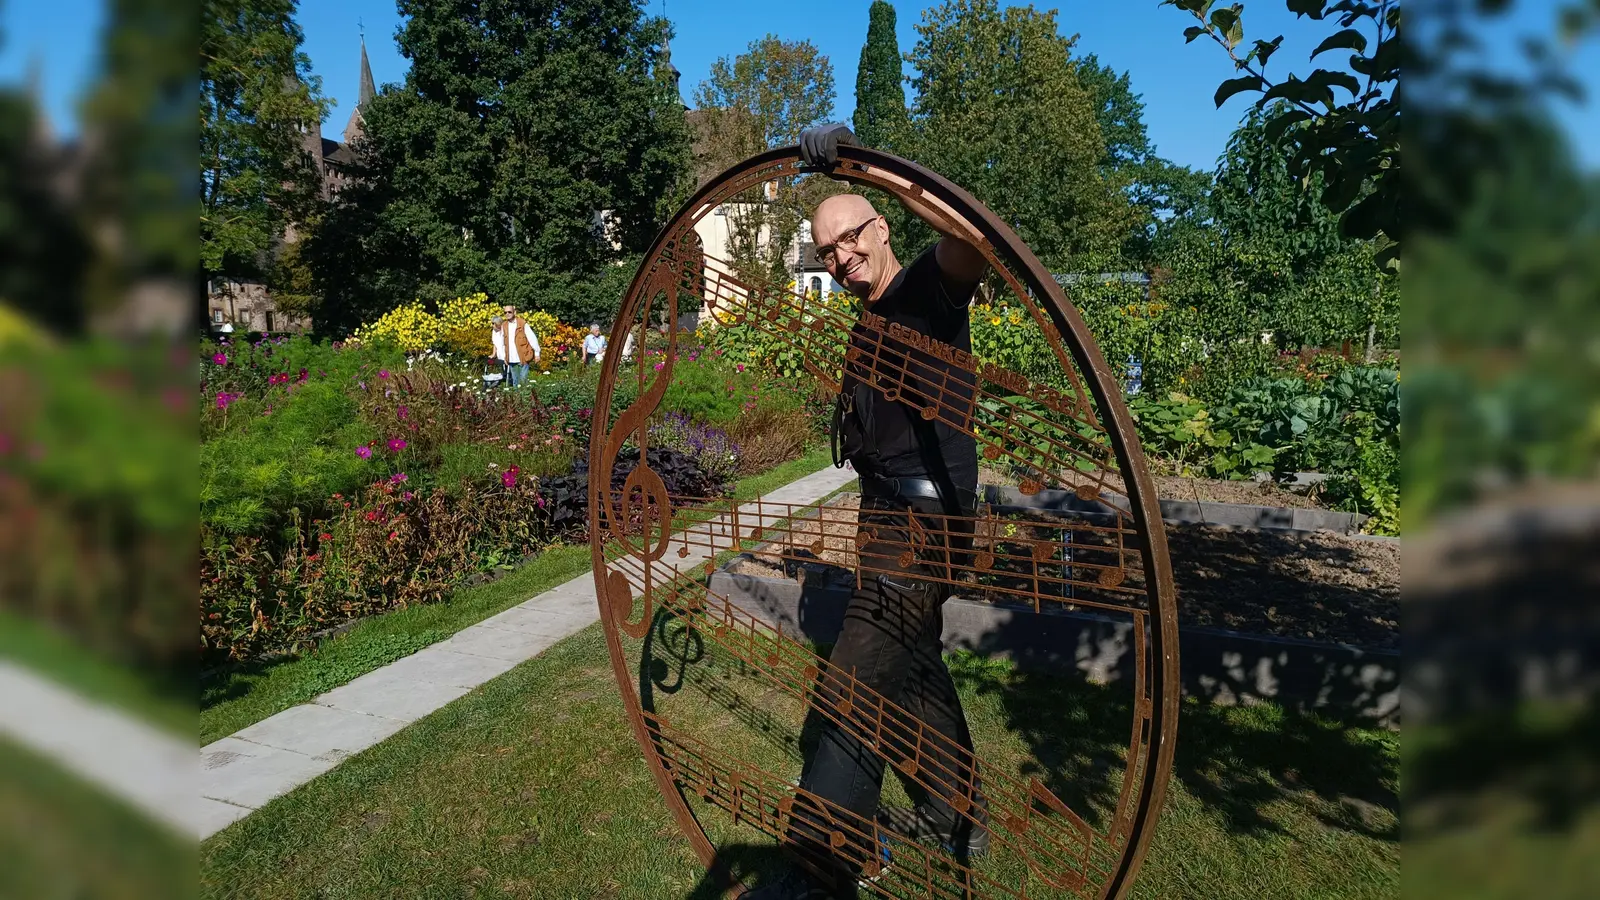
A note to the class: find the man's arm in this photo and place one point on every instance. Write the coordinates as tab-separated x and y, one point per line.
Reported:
958	259
533	338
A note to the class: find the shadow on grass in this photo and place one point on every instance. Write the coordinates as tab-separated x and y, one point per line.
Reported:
1237	761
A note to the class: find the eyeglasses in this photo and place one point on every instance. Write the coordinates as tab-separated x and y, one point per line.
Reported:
846	241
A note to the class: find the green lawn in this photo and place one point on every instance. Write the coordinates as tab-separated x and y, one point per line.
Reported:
236	699
62	838
166	702
532	786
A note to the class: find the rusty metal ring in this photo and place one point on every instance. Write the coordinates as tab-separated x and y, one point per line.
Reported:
1151	749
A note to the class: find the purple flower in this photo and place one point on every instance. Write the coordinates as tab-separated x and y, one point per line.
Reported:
402	411
220	359
397	478
362	385
396	445
383	373
364	451
406	496
304	375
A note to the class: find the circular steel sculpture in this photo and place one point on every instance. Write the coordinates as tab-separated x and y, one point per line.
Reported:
721	757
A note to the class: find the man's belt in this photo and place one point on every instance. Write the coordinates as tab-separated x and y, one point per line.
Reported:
916	489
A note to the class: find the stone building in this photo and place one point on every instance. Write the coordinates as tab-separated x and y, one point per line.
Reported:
242	306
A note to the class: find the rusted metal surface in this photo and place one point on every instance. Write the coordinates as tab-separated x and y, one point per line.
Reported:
654	552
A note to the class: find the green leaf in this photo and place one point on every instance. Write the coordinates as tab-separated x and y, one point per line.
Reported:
1226	22
1348	39
1312	8
1236	85
1264	49
1192	32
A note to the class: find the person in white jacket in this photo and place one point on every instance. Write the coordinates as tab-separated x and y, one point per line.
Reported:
515	344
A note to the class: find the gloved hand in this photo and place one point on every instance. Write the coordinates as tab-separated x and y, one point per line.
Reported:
819	145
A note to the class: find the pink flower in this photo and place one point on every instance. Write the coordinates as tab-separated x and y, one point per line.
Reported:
396	445
383	373
364	452
304	375
219	358
397	478
658	366
406	496
739	367
539	501
393	534
402	411
508	478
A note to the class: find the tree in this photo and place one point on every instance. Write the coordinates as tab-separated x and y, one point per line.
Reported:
527	150
1352	144
880	96
999	110
764	98
257	96
1165	191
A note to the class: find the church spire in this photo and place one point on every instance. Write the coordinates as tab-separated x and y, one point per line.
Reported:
357	124
367	89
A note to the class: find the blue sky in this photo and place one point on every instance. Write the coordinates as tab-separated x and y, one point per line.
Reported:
1138	36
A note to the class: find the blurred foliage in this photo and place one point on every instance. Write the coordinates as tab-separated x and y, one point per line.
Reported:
97	498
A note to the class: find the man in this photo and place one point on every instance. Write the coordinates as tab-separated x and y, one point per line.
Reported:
594	345
515	344
914	473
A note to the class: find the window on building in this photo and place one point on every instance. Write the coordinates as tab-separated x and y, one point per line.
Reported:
816	285
269	322
216	317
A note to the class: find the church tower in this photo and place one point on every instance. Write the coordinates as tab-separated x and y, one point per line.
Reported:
357	125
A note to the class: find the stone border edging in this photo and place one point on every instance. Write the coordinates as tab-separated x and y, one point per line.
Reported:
1177	512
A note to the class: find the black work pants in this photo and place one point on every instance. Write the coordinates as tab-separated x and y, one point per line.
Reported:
890	643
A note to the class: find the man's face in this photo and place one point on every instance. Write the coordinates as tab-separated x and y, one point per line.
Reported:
859	266
509	311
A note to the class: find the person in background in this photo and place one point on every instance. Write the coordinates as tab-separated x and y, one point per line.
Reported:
594	345
515	344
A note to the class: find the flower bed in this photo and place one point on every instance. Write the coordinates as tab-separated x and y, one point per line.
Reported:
340	481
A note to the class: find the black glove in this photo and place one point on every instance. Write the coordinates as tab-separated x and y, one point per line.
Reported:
819	145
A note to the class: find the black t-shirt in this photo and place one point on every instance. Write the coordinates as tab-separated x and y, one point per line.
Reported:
888	382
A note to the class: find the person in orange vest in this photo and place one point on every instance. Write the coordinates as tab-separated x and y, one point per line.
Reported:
516	345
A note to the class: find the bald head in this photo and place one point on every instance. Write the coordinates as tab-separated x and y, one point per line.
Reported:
860	258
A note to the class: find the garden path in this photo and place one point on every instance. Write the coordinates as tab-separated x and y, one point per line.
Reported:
146	767
242	772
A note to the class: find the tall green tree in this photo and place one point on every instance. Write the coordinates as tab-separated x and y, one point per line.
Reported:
1000	110
760	99
1166	192
880	92
257	98
529	148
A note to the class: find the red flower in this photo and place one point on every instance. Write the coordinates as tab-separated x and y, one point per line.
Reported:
372	516
392	535
325	536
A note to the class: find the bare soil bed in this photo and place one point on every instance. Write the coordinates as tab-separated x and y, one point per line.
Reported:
1318	586
1209	490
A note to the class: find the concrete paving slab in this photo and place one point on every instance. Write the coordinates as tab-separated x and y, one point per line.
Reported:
249	774
321	731
497	643
392	694
446	667
216	815
534	620
147	767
